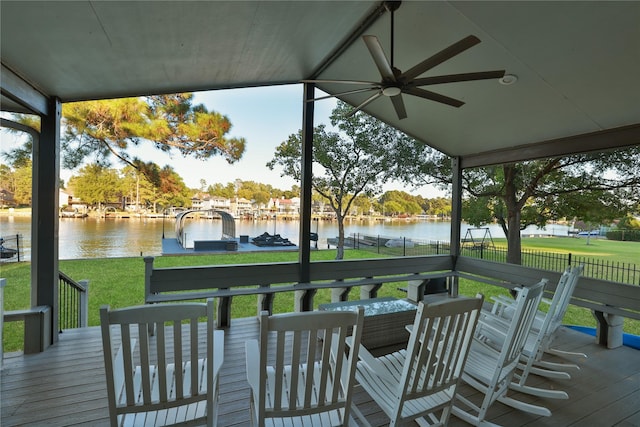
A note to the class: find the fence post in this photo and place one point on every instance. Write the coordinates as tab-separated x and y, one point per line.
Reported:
569	258
378	245
18	246
404	246
83	315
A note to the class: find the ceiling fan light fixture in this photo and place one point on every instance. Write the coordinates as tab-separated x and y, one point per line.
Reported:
391	91
508	79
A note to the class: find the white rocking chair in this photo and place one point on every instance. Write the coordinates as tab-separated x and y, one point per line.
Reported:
419	383
163	379
543	331
494	357
299	372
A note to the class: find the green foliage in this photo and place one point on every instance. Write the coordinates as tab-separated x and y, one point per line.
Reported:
625	235
23	183
96	185
593	187
109	127
365	154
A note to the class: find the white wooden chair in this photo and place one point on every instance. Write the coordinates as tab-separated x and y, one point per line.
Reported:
544	330
419	382
299	371
537	339
167	379
490	368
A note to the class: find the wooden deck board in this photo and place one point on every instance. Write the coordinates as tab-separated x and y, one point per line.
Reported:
65	385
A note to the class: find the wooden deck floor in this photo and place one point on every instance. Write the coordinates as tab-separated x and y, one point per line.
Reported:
65	386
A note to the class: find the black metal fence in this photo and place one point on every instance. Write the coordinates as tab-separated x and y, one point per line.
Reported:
401	246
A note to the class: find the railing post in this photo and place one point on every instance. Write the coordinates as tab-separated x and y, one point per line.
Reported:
223	311
303	300
369	291
340	294
83	312
609	329
265	301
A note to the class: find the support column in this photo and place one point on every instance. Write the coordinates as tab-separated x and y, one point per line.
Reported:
609	329
44	214
305	184
456	218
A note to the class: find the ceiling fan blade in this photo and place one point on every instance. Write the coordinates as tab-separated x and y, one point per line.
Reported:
365	103
427	94
451	78
375	48
398	104
440	57
351	82
349	92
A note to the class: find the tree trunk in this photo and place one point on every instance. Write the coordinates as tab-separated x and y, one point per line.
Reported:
340	248
514	243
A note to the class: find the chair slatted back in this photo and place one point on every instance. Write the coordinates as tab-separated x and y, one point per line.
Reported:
304	363
527	302
571	277
172	368
447	327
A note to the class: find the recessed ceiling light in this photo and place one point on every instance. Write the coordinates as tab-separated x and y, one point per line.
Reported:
508	79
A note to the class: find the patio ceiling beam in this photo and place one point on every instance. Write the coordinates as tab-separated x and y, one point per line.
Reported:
603	140
17	89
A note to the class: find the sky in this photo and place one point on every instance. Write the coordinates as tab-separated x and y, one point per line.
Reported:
265	117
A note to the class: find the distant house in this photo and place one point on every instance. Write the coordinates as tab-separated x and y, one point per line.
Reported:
68	200
6	198
204	202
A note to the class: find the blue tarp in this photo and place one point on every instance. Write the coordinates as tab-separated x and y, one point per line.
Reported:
629	340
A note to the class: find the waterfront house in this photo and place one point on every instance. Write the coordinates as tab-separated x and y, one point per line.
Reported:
570	87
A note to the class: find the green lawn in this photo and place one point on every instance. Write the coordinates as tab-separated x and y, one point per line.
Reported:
601	249
119	282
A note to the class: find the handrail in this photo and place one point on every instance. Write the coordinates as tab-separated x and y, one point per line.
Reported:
73	303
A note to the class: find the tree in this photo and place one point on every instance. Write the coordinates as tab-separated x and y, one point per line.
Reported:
600	186
23	184
357	161
137	188
173	188
96	185
99	129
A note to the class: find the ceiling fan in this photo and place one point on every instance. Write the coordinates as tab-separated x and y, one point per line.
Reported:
395	82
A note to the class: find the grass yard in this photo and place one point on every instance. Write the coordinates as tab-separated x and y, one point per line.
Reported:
598	248
119	282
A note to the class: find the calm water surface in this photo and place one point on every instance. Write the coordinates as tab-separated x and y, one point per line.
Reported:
108	238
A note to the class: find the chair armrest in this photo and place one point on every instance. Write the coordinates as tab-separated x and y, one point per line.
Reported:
372	363
252	354
218	351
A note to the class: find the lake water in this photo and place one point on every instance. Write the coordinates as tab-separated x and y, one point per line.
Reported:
108	238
